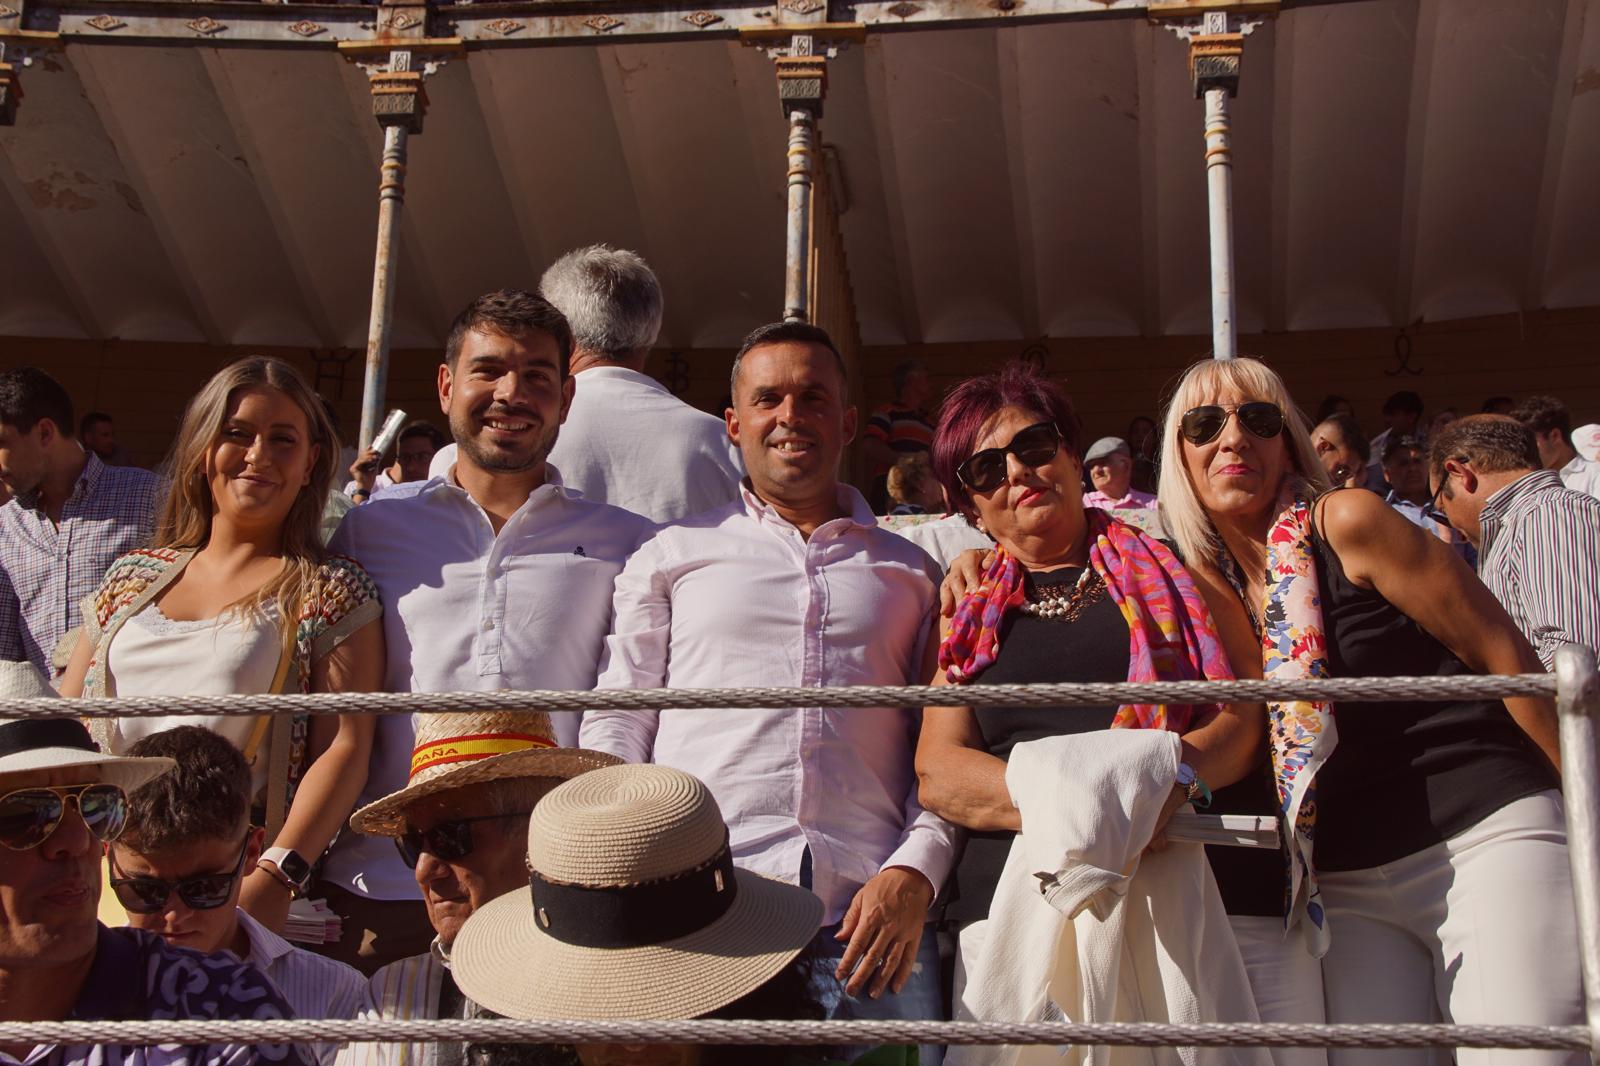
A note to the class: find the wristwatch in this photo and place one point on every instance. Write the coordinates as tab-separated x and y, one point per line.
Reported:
295	870
1194	789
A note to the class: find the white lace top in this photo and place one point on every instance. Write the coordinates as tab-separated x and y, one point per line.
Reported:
155	656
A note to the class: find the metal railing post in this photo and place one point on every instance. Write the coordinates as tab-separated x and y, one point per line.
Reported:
1578	703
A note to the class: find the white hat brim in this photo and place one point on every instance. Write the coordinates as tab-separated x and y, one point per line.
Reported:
386	817
127	771
503	960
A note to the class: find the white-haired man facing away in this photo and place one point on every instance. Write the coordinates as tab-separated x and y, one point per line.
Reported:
627	441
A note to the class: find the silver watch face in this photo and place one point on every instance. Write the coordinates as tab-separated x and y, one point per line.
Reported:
1186	774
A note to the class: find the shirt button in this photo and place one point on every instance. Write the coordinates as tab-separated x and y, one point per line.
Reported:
488	624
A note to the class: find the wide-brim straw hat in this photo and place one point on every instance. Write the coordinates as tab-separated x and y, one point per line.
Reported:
634	912
454	750
28	745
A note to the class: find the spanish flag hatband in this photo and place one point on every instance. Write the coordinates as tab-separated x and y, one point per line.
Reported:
454	750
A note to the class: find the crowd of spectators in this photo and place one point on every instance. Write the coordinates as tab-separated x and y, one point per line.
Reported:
583	529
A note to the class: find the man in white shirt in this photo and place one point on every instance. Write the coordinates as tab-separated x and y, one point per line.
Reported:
795	584
628	441
176	871
494	576
1551	424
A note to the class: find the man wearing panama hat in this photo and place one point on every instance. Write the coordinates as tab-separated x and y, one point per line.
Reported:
61	800
461	823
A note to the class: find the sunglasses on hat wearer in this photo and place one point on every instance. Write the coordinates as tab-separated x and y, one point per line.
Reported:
446	841
202	892
1034	445
1204	424
29	815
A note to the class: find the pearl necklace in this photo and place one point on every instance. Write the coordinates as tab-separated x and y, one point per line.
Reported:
1060	603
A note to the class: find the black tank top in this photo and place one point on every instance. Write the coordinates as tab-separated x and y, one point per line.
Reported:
1094	647
1406	775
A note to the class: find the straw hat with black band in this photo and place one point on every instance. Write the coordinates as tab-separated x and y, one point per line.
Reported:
634	910
453	750
32	744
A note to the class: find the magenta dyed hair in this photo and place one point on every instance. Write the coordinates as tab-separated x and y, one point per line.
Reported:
975	401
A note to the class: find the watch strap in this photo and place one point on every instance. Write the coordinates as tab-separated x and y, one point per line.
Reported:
296	871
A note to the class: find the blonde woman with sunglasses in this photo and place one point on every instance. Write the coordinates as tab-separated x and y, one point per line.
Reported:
1427	850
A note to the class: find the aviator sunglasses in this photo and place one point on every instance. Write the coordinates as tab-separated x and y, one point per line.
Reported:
202	892
1202	425
28	816
446	841
1033	445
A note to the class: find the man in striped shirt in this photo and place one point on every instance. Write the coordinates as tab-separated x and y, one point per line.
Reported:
1538	542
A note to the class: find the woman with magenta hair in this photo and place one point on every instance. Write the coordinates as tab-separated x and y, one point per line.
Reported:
1074	595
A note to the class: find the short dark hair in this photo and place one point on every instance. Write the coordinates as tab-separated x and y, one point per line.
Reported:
1405	402
1492	443
419	428
1395	443
979	399
1493	405
1544	413
206	796
89	421
510	313
1350	430
28	396
1330	406
779	333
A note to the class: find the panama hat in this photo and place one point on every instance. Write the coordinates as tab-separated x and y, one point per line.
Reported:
32	744
453	750
635	910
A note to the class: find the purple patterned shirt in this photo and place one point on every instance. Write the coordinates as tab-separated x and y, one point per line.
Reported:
137	975
47	570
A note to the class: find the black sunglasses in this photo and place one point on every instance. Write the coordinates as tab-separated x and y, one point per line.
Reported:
1034	445
202	892
1202	425
446	841
28	816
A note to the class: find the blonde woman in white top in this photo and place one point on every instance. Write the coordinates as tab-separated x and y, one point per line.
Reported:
238	596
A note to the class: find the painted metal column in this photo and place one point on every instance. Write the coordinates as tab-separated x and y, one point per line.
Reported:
391	196
1219	188
1578	703
1216	49
797	247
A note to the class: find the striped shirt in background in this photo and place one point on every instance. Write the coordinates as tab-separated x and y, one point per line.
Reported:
1539	554
316	987
904	430
46	570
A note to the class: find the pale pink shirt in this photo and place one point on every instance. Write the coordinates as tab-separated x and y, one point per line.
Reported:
737	597
1134	499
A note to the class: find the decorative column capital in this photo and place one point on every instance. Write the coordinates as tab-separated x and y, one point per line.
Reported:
800	55
1216	34
396	70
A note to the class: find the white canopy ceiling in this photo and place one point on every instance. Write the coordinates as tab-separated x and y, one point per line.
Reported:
1395	160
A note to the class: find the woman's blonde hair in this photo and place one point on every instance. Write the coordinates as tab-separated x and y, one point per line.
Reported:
1184	517
185	518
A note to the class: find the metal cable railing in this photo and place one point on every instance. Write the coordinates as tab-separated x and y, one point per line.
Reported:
1575	685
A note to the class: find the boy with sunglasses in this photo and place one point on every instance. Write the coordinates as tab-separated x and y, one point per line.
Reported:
61	801
176	871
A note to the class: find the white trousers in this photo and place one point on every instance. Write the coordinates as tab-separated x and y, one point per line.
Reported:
1478	929
1285	980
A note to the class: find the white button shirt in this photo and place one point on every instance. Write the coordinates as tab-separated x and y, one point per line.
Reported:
737	597
1581	475
468	610
629	442
315	986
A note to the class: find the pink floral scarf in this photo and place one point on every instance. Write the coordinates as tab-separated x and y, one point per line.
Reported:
1302	734
1171	635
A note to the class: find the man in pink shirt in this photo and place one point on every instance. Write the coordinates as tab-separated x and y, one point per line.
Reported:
794	584
1109	461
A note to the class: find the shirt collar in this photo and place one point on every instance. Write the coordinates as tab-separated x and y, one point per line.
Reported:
266	947
440	951
857	511
621	373
1578	465
553	485
1499	506
87	482
113	991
